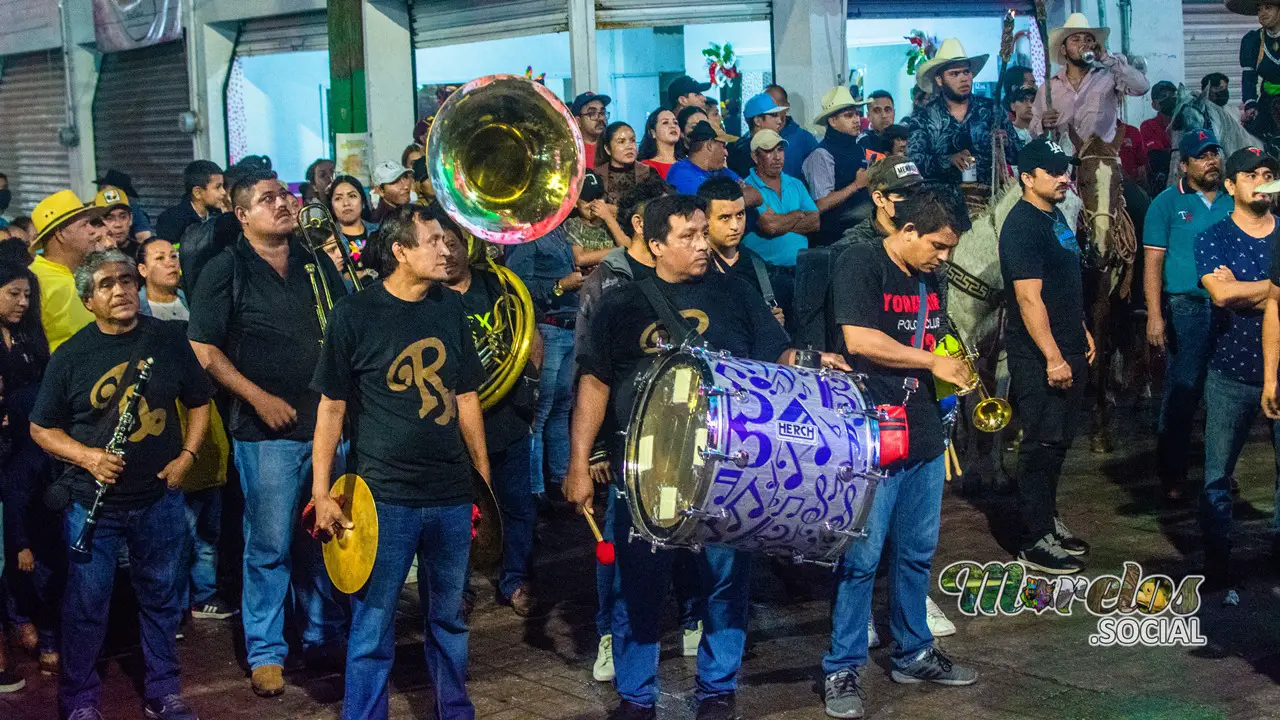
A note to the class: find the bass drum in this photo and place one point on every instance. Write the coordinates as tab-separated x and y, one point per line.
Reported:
760	457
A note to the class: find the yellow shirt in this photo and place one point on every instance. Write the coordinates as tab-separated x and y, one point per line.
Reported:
61	310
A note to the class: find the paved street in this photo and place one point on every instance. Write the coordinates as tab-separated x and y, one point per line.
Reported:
1032	666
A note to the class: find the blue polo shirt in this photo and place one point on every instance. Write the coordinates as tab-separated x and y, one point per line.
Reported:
1175	218
780	250
1235	334
686	177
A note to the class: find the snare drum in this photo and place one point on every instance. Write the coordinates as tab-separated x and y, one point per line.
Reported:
761	457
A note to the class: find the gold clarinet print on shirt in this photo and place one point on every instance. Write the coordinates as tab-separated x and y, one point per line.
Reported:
150	422
409	369
652	334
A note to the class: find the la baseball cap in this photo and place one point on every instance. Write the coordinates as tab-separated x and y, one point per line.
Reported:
893	173
1194	142
1247	160
1045	154
388	172
766	140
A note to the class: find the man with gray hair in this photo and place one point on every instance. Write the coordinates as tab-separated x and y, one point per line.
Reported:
78	410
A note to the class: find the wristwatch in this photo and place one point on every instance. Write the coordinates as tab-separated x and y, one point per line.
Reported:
557	289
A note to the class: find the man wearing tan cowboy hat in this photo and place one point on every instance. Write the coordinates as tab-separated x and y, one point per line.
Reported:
1089	85
66	230
950	136
117	219
836	172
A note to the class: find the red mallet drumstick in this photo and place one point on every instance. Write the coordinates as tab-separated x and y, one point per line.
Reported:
604	550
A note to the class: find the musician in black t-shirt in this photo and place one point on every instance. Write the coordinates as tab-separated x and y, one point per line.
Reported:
74	418
625	335
507	425
877	295
399	362
726	225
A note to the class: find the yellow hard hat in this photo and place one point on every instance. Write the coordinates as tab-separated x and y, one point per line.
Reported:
55	211
110	196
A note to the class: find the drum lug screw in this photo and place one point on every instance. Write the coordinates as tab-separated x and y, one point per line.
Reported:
844	473
855	534
695	512
739	458
653	544
714	391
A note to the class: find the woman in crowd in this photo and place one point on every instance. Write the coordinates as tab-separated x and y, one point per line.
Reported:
615	162
661	147
688	118
319	179
33	547
411	153
350	209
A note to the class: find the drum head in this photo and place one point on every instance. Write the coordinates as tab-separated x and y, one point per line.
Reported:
667	433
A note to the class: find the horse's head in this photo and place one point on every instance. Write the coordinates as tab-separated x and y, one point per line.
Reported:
1098	179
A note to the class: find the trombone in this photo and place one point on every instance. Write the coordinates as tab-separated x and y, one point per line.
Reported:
318	228
992	413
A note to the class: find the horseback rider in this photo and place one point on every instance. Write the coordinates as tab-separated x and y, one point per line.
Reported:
1260	59
951	135
1087	91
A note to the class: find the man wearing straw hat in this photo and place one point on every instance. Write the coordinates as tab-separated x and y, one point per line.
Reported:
951	134
1088	88
836	172
66	231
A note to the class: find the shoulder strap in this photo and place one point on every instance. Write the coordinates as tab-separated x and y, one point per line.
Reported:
762	277
680	330
922	317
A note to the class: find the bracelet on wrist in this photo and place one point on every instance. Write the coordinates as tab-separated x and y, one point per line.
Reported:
193	455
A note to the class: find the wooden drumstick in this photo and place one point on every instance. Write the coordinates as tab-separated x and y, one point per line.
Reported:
604	550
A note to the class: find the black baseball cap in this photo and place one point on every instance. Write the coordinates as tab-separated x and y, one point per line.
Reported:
592	187
1247	160
1045	154
893	173
586	97
682	86
1164	88
706	131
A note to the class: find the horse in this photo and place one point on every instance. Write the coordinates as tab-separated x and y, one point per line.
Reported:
1195	112
1109	248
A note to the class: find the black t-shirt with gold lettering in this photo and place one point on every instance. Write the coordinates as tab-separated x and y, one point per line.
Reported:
625	330
80	385
400	365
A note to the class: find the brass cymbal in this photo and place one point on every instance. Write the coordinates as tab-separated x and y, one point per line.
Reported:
486	545
349	559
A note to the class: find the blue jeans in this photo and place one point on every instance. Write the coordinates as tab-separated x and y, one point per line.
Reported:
1231	408
204	523
555	401
440	537
154	537
606	575
906	511
1186	359
276	477
642	579
509	469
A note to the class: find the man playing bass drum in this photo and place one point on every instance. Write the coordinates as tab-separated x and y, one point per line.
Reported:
624	337
401	354
74	418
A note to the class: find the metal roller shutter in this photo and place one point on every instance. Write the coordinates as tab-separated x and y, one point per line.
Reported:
140	95
651	13
449	22
1211	38
32	108
868	9
284	33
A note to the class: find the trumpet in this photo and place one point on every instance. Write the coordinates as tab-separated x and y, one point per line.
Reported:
991	413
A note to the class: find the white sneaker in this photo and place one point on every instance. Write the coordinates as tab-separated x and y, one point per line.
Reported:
692	639
938	623
602	671
873	637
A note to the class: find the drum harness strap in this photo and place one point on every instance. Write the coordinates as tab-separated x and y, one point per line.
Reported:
910	384
762	277
679	331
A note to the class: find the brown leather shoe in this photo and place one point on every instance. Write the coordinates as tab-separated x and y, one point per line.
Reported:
28	638
268	680
522	601
50	662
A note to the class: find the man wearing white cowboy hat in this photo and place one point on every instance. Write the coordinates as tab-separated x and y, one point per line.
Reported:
836	172
950	136
66	229
1087	90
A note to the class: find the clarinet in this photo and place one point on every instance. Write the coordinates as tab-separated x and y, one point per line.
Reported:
115	446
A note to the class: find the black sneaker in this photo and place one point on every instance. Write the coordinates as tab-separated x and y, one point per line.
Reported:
631	711
169	707
11	682
930	665
842	695
1049	557
213	609
1072	544
718	707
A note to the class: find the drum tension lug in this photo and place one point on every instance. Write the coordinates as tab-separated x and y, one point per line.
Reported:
845	410
713	391
695	512
653	544
799	559
855	534
739	458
